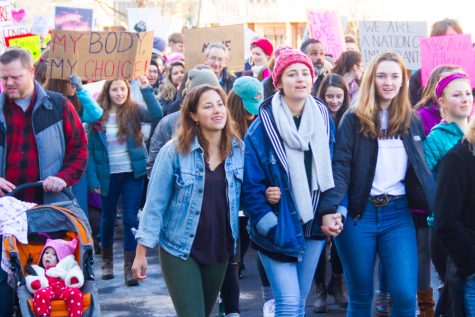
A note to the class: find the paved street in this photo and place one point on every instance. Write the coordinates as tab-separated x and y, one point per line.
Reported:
150	299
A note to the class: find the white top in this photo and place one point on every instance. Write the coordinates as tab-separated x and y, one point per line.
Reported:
391	166
119	159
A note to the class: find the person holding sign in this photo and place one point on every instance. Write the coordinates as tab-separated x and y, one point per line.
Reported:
193	203
379	140
292	136
116	166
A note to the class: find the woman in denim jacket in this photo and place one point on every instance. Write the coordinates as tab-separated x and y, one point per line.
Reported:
378	148
192	203
298	162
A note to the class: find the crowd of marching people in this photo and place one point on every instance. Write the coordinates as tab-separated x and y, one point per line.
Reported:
297	156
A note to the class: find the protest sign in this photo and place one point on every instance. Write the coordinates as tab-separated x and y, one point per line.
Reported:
447	50
152	18
325	26
397	36
9	26
73	19
94	88
99	55
40	25
196	41
30	42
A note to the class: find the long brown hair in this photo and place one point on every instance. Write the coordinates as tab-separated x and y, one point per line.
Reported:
335	80
61	86
344	64
189	130
367	108
440	27
238	113
428	94
167	89
128	114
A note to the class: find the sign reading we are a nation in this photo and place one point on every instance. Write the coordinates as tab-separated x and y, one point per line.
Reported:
99	55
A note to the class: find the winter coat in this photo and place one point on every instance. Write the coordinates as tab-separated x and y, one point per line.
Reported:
440	140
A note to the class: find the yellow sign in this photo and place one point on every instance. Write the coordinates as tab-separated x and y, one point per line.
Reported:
31	43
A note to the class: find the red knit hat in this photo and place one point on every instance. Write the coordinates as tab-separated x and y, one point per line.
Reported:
265	45
287	58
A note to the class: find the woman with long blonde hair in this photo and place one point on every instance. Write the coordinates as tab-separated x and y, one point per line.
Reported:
379	145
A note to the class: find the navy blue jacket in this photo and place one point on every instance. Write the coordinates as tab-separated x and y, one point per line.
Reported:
264	166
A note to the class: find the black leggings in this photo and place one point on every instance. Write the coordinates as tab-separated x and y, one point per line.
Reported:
230	289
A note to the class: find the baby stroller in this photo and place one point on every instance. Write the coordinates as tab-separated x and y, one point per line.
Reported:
64	220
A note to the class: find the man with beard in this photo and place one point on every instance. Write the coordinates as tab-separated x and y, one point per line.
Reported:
315	50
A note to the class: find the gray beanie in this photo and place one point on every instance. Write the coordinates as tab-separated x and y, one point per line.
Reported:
201	77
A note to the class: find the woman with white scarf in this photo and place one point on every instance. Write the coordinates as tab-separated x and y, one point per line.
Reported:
289	146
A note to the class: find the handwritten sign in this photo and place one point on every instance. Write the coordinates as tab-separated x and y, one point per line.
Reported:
325	26
196	41
8	26
99	55
29	42
400	37
447	50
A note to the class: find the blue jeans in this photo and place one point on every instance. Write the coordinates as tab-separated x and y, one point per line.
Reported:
80	192
130	188
469	297
388	232
291	281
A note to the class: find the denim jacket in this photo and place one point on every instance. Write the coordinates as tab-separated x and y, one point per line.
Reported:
264	167
175	195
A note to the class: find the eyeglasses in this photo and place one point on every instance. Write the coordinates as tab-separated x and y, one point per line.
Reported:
153	71
216	59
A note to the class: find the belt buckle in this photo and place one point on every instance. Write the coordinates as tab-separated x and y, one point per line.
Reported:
381	201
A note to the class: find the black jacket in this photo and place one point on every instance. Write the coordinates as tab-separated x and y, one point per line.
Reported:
455	207
354	166
227	80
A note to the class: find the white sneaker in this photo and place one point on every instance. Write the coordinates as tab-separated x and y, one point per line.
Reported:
268	310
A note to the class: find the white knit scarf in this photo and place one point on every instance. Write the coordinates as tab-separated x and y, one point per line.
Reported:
311	133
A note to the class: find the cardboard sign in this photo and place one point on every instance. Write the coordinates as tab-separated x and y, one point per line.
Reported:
325	26
401	37
73	19
196	41
447	50
29	42
99	55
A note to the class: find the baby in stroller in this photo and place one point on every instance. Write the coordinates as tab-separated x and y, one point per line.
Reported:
57	276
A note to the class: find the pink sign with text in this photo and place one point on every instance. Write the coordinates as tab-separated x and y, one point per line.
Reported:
447	50
325	26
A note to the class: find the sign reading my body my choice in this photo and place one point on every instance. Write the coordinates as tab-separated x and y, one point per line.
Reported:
99	55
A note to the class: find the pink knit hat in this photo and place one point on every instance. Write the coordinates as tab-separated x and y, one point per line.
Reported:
287	58
62	247
265	45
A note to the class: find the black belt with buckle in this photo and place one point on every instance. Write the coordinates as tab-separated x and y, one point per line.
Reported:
384	199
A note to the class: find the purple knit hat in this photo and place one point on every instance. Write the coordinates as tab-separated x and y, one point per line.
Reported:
62	247
287	58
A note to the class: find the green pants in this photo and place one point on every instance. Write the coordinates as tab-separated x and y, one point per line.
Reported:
193	287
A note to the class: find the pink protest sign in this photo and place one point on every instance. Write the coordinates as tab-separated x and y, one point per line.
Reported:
325	26
447	50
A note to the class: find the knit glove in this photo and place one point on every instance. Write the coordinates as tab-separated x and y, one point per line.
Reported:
76	81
